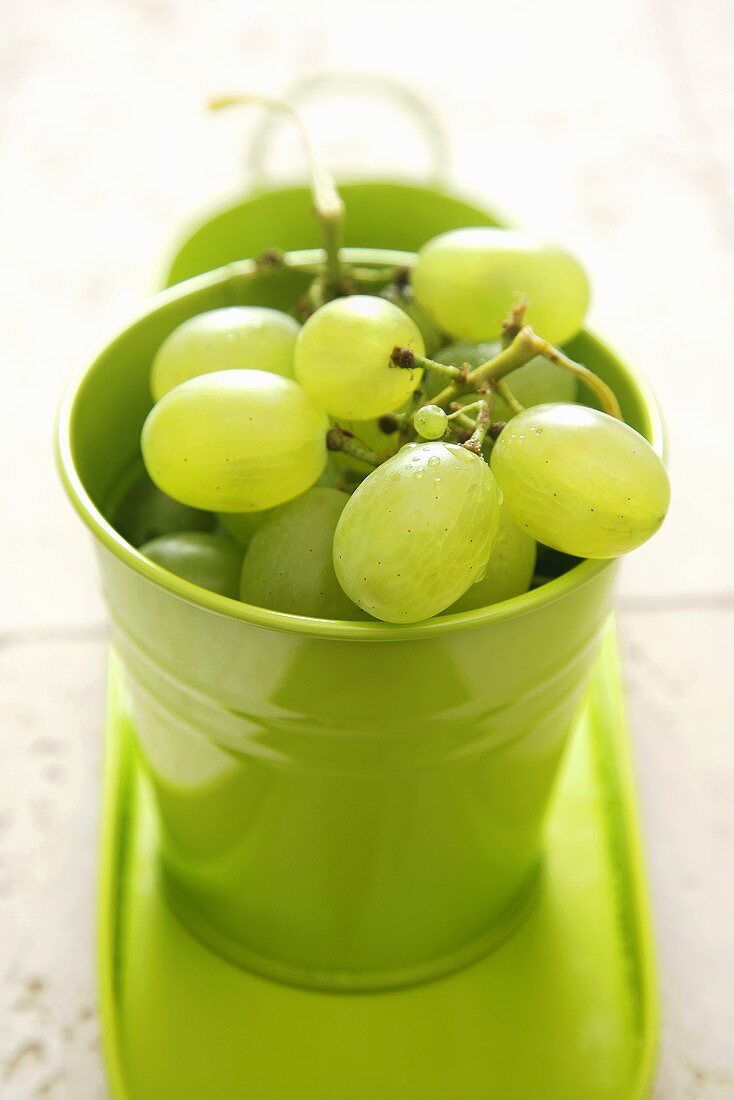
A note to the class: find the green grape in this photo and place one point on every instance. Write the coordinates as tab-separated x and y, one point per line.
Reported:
289	567
404	298
417	532
467	280
211	561
342	357
580	481
236	337
431	422
537	383
144	512
235	441
241	526
509	570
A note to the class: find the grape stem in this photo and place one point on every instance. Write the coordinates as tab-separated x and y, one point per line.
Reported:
606	396
505	392
407	359
465	421
459	414
524	347
327	202
511	325
514	321
475	441
340	439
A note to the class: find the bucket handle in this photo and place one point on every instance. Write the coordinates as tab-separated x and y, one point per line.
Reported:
382	87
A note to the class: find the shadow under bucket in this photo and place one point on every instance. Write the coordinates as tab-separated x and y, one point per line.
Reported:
348	806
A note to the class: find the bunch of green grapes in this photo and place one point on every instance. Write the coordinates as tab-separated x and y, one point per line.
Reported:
333	470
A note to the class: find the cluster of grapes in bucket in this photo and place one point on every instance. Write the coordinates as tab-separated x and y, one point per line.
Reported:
404	452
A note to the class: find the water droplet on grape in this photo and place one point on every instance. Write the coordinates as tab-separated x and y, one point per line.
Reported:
418	474
434	461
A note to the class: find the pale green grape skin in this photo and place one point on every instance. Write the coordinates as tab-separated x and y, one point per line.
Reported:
241	526
235	441
537	383
288	566
580	481
417	532
213	562
509	572
468	280
233	338
342	357
404	299
431	422
144	513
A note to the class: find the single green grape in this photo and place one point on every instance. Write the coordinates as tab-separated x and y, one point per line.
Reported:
431	422
211	561
537	383
580	481
467	280
510	568
404	298
144	513
233	338
417	532
289	567
241	526
235	441
343	352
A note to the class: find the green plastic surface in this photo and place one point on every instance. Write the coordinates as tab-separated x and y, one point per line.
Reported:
565	1009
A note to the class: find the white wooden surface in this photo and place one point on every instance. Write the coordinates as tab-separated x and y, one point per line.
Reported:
607	125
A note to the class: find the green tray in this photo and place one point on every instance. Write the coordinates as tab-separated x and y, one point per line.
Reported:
565	1009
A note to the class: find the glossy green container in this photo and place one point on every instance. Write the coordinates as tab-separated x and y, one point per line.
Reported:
348	806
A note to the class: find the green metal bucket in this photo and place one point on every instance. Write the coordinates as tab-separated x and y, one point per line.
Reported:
341	805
